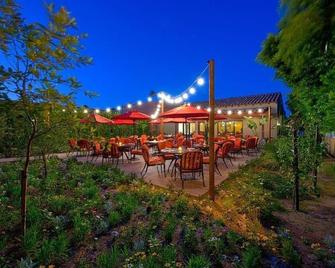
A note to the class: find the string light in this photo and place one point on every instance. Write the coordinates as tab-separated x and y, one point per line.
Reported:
208	109
129	105
198	107
108	110
63	110
185	96
249	111
75	111
200	81
85	111
118	108
97	111
229	112
191	90
149	99
239	112
260	110
139	103
219	111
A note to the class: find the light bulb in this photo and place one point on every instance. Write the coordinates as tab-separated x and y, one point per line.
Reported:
239	112
185	96
85	111
139	103
229	112
129	105
118	108
260	110
198	107
149	99
200	81
191	90
219	111
249	111
108	110
97	111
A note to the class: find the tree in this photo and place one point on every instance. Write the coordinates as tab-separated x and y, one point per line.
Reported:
302	53
38	56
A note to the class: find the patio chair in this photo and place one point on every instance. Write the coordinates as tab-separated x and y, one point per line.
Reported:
237	148
250	145
150	161
190	163
216	154
73	146
84	147
97	150
180	141
224	152
163	145
113	154
160	137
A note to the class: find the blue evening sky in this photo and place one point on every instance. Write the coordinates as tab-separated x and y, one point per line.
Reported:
144	45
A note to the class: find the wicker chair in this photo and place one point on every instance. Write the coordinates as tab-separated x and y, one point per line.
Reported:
150	161
191	162
216	154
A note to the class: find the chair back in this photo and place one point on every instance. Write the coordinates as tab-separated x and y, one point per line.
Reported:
161	145
144	139
112	140
72	143
114	152
96	148
145	153
180	141
251	143
238	143
84	144
191	161
160	137
226	147
169	143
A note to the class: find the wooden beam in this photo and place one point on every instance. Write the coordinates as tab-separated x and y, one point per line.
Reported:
270	123
211	189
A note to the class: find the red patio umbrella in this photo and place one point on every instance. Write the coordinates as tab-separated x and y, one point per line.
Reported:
124	122
133	115
170	120
97	119
185	112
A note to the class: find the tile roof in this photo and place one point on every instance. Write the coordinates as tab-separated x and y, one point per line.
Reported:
248	100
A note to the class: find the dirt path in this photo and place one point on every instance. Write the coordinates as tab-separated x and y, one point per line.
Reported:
314	223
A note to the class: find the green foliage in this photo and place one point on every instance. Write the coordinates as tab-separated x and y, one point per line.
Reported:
110	259
198	262
289	253
114	218
251	257
251	124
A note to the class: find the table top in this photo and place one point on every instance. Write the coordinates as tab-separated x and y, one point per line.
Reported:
151	142
177	151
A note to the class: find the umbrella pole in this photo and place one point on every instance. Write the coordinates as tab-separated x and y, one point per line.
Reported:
211	130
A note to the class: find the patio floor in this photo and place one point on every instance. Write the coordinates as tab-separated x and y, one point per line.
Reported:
192	187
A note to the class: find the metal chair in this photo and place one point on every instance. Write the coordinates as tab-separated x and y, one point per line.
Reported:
150	161
191	162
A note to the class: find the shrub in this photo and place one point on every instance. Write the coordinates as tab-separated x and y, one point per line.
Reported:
114	218
251	257
81	227
109	259
289	253
198	262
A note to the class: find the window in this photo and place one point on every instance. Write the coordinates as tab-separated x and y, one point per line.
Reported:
229	127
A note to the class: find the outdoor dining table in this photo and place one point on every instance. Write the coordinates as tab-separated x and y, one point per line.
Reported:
152	144
125	148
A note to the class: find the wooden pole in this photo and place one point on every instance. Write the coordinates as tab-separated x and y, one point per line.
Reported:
211	130
270	124
161	126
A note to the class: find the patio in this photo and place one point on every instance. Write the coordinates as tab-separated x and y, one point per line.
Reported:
192	187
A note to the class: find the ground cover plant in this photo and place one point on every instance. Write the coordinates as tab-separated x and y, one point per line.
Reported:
87	215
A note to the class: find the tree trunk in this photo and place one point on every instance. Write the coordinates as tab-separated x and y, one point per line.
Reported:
295	168
316	164
45	165
24	181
